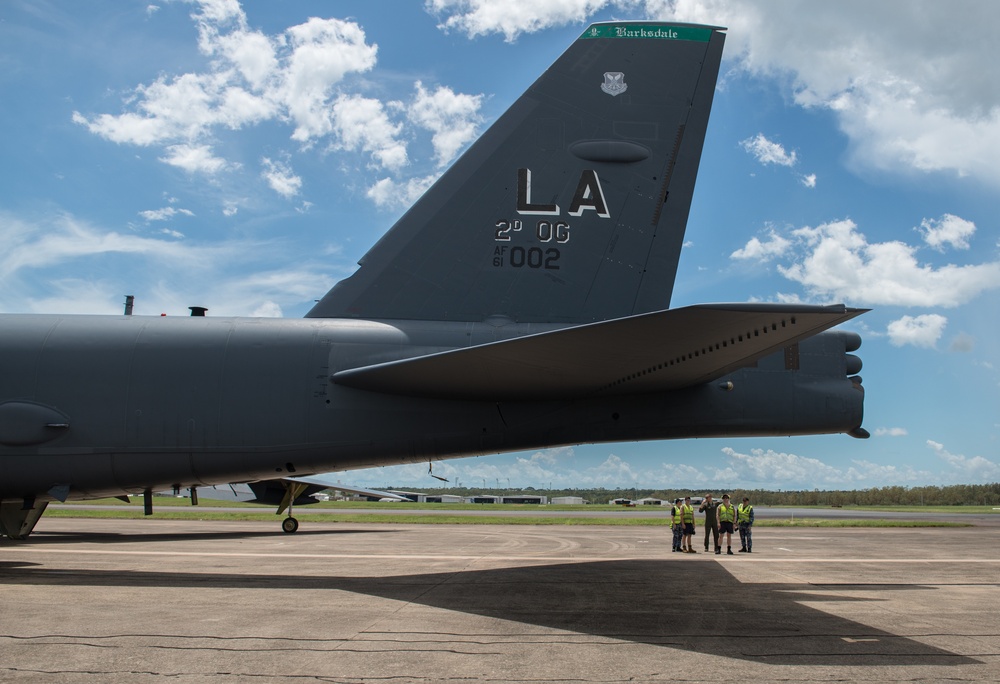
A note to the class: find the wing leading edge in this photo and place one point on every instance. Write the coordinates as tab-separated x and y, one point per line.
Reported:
659	351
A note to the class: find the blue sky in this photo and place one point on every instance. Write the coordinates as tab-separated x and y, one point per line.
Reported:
244	157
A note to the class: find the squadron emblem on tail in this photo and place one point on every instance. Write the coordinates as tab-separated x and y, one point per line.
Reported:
614	83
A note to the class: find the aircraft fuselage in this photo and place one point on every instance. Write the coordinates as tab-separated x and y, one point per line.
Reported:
118	404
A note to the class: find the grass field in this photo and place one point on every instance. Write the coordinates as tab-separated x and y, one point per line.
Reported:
376	512
980	510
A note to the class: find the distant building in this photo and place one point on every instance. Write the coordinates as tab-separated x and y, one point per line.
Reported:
567	500
621	502
650	501
483	499
524	499
442	498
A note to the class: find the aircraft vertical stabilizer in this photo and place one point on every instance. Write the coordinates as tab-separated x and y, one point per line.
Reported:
572	207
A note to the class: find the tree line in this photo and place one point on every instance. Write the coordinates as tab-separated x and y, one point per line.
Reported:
948	495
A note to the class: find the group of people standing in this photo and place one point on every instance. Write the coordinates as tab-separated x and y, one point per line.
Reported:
721	520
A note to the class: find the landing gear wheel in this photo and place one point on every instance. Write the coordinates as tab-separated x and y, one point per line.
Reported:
289	525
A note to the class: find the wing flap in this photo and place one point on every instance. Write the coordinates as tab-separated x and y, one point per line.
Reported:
659	351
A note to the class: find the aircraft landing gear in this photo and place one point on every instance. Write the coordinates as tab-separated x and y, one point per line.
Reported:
292	491
18	519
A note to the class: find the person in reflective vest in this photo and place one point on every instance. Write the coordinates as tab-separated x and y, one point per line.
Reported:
744	518
687	515
676	524
727	518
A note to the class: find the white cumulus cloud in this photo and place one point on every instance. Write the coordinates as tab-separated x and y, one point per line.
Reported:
763	466
763	250
920	331
452	117
965	469
392	194
768	152
362	124
252	78
512	17
267	309
836	261
281	178
164	214
948	230
766	467
194	159
323	51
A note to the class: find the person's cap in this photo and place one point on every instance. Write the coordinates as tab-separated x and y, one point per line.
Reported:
687	498
746	498
678	500
725	496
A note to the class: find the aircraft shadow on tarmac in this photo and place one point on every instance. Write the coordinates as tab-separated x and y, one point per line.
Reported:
682	605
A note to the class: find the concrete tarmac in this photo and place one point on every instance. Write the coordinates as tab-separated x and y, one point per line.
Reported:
184	601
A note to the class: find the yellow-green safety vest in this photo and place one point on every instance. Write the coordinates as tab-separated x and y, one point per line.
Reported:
727	513
744	513
688	513
676	517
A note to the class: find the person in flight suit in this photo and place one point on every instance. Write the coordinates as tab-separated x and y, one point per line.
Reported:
709	507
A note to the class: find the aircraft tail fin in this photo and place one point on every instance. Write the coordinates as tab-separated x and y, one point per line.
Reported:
572	207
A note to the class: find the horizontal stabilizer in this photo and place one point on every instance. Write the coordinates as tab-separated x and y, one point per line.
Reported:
653	352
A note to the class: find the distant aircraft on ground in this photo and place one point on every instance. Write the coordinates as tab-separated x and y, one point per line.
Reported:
521	303
278	492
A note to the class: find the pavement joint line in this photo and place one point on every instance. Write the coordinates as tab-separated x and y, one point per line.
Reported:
480	557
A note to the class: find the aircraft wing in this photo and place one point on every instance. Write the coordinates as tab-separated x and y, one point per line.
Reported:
327	481
658	351
275	491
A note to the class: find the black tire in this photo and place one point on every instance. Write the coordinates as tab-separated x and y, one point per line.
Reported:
289	525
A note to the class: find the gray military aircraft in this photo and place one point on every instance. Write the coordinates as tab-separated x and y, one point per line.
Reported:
521	303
